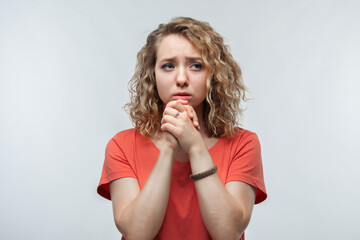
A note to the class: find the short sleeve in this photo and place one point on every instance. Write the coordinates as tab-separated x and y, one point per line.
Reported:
116	165
246	165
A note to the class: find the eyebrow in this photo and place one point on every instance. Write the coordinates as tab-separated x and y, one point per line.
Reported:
170	59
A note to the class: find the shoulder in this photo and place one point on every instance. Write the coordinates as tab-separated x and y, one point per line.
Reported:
245	136
125	133
243	141
127	136
128	140
122	140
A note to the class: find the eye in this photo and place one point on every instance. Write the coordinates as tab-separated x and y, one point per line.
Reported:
167	66
196	66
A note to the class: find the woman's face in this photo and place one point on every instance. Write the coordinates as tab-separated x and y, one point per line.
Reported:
180	72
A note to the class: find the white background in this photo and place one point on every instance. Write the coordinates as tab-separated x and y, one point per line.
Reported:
64	68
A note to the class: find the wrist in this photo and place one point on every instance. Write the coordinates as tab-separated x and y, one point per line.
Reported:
197	150
169	151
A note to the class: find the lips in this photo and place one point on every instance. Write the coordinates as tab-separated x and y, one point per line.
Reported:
182	96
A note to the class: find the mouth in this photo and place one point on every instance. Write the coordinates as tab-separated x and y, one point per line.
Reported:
182	96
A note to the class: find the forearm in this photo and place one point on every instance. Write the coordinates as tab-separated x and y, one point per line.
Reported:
143	217
220	212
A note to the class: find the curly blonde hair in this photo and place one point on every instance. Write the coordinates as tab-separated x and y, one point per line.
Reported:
225	87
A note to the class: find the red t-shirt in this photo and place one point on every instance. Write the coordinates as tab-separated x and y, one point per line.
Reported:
129	154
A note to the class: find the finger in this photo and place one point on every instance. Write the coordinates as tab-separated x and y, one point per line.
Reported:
183	102
174	105
174	102
171	111
193	117
189	111
169	119
196	119
170	128
178	106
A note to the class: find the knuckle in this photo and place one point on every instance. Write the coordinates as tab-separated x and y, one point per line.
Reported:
171	103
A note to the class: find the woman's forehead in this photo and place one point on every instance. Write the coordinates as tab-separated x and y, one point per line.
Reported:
173	46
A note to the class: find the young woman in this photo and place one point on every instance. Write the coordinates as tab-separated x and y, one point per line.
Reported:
185	102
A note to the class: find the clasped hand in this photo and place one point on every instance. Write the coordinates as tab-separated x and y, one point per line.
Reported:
180	120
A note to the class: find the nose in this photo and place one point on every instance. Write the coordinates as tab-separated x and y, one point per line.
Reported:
181	77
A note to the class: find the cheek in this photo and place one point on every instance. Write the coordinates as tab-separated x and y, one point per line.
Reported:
160	84
201	84
162	88
163	80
